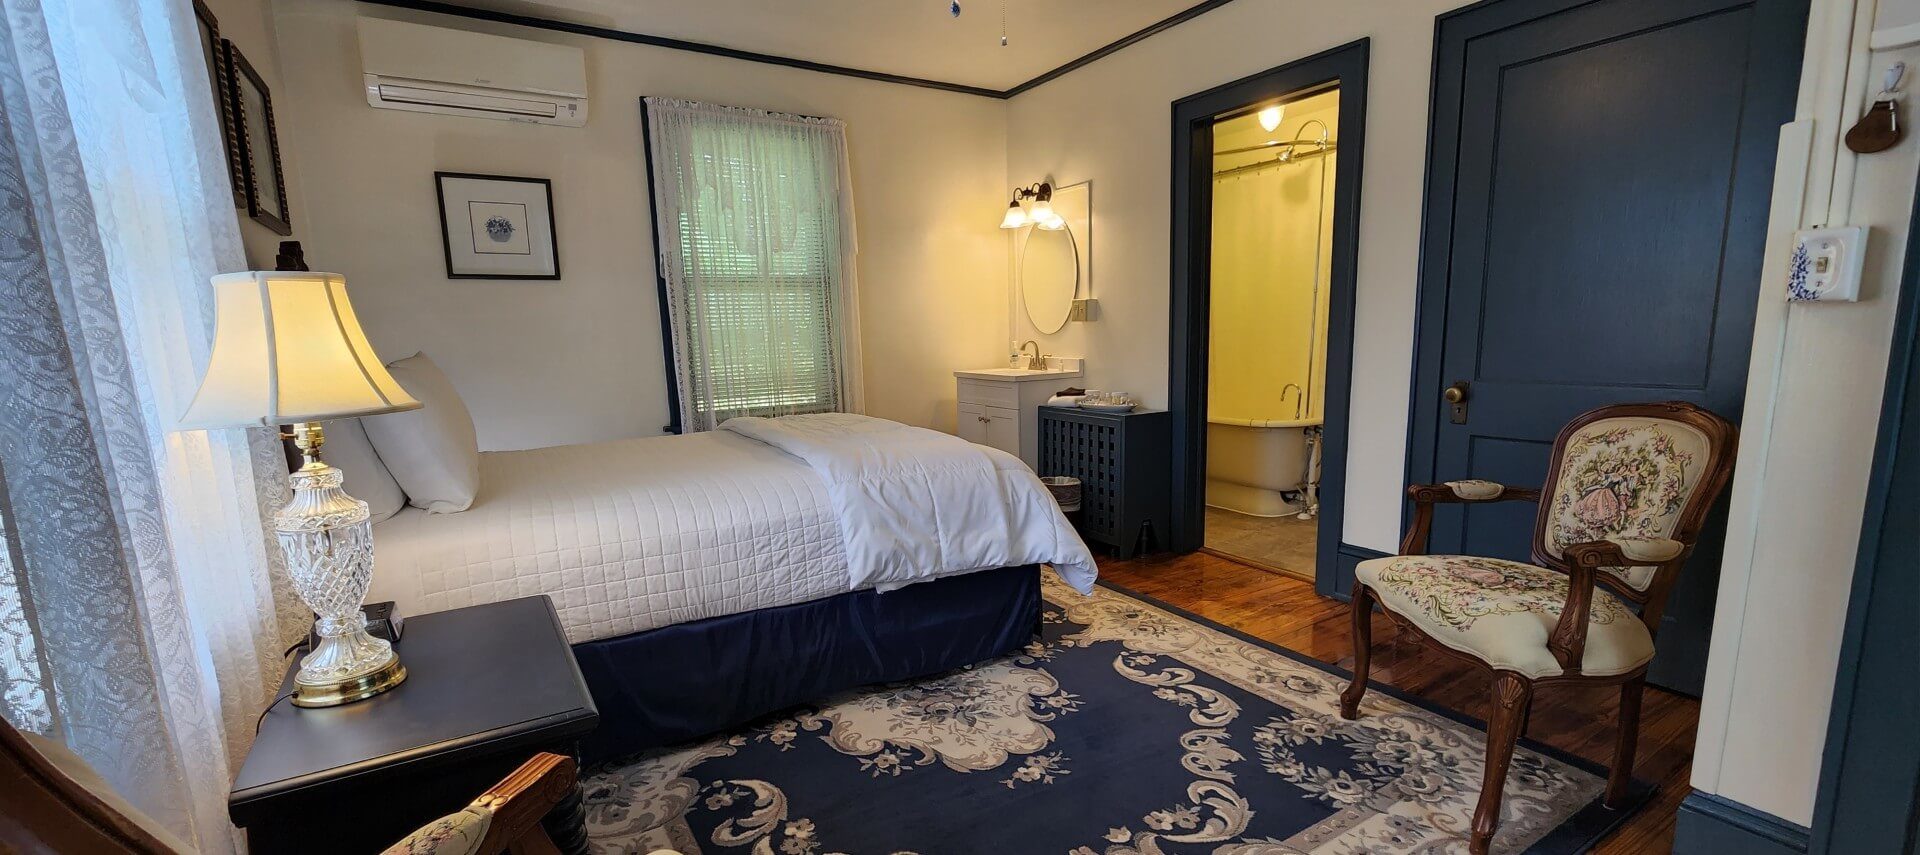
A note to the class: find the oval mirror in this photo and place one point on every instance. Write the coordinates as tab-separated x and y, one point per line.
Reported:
1049	277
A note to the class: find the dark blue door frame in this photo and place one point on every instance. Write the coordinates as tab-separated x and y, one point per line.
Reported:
1869	797
1193	118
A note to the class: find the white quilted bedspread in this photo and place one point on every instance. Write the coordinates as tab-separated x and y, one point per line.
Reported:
624	536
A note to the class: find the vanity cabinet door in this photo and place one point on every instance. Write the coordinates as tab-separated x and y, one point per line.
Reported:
972	423
1003	429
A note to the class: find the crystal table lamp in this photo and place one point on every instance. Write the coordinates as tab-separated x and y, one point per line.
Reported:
287	349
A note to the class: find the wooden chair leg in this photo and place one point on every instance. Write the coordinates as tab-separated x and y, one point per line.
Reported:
1620	777
1362	651
1512	696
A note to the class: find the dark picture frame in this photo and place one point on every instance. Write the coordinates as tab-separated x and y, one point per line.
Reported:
462	231
213	51
257	139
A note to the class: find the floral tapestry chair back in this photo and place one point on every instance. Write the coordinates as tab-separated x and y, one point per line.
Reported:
1631	474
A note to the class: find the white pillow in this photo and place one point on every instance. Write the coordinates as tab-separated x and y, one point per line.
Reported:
431	451
349	450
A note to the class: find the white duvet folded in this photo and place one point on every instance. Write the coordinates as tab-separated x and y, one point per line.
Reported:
916	504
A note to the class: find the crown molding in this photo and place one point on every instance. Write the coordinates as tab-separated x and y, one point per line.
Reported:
610	34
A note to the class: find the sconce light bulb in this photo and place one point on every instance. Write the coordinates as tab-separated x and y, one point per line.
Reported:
1271	116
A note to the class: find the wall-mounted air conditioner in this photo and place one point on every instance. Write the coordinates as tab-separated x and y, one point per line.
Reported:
455	72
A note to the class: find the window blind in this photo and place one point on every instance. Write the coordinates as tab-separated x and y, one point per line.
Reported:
756	256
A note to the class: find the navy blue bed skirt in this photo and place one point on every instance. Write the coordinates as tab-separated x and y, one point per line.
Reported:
673	684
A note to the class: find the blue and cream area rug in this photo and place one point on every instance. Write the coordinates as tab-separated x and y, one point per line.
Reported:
1130	729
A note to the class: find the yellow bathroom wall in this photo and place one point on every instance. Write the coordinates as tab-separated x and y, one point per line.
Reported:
1272	248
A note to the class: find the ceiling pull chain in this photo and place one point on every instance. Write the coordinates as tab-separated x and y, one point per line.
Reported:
1003	23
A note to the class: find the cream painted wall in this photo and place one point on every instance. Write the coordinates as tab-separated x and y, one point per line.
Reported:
1272	245
249	25
1813	404
578	360
1108	122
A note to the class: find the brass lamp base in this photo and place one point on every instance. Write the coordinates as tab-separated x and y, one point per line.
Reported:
357	689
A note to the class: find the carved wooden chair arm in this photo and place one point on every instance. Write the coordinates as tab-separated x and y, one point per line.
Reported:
525	797
505	818
1425	496
1568	642
1470	492
1583	562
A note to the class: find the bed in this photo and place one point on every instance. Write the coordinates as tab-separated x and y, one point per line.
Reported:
707	579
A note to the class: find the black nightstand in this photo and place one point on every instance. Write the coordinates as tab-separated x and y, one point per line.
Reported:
487	687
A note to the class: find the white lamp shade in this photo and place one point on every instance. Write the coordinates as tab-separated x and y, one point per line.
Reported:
287	348
1015	218
1041	211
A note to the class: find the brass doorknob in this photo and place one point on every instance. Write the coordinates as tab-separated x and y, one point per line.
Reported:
1455	393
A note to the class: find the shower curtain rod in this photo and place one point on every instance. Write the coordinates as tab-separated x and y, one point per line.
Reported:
1310	141
1317	152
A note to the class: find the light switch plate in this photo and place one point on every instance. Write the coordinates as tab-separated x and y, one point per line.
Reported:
1826	265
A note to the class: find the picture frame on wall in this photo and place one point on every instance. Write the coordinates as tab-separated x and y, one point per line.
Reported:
497	226
212	51
263	179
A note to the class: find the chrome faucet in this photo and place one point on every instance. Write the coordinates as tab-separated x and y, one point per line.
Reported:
1298	397
1034	362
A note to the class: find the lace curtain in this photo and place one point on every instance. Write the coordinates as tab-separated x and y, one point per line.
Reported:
143	609
754	214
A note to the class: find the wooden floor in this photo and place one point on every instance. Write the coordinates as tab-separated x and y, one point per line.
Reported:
1285	544
1287	612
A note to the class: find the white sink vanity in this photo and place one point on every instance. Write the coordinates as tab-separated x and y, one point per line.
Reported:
1000	407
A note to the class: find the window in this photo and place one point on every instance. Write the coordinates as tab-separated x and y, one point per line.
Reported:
756	261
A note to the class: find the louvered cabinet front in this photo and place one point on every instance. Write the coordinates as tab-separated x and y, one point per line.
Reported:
1122	463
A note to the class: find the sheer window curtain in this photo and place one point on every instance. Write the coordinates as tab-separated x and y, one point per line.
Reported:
143	609
754	212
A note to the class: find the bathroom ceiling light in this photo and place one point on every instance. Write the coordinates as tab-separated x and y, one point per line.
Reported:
1271	116
1015	217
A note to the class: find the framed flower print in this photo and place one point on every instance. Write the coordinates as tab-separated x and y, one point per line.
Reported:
263	181
497	226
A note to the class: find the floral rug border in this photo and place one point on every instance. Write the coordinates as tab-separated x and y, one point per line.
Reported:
1589	826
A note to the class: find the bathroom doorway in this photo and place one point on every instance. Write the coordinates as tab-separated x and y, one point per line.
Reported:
1266	198
1273	168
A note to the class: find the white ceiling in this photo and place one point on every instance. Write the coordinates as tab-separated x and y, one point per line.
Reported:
916	38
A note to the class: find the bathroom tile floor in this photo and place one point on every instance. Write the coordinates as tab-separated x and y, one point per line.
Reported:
1282	544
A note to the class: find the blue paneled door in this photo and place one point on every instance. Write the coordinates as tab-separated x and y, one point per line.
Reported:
1612	166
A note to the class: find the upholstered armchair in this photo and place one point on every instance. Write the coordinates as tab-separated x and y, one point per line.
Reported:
1626	495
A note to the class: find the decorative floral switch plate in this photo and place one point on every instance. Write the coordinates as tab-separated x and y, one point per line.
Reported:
1826	264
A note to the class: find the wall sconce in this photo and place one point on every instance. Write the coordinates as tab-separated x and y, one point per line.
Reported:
1032	205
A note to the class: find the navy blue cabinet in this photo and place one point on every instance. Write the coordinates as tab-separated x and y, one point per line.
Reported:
1122	463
